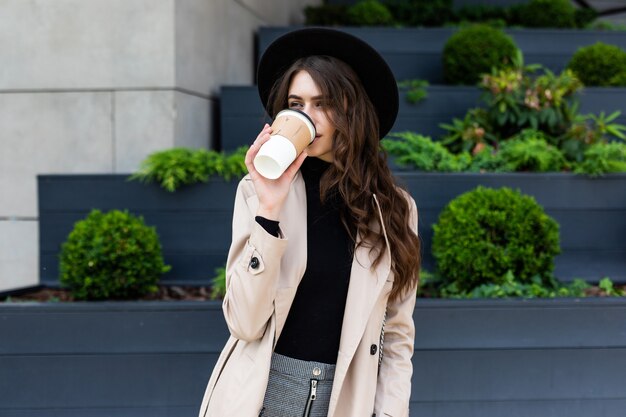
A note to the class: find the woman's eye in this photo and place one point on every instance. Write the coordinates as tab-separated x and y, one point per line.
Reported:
294	104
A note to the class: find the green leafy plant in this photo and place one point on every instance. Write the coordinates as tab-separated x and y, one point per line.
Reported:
548	14
537	287
422	153
421	12
602	125
603	158
218	284
484	234
599	64
606	25
483	13
469	134
606	285
176	167
529	151
585	17
517	98
475	50
619	80
369	13
415	90
327	15
111	256
588	130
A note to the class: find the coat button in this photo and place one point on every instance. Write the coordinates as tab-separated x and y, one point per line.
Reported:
373	349
254	262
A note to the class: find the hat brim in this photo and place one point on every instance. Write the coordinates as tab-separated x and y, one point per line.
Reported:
371	68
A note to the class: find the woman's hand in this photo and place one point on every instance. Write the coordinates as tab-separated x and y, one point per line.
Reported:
271	193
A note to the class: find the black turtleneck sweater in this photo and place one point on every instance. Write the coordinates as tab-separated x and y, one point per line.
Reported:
313	327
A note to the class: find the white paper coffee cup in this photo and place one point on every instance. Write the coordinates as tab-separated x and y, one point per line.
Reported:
292	131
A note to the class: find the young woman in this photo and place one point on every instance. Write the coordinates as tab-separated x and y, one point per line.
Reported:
323	266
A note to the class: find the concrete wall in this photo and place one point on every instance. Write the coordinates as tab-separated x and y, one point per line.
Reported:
94	86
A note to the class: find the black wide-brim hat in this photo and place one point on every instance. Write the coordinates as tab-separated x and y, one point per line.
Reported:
367	63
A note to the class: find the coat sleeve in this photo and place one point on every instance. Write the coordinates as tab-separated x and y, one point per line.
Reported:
393	390
252	270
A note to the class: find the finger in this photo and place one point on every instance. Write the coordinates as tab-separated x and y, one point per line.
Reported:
262	137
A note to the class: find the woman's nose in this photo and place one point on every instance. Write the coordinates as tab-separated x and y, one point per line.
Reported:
307	110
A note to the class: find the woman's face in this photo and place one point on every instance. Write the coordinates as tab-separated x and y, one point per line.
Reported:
304	95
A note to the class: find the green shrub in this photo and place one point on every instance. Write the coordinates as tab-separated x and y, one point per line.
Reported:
415	90
488	160
469	134
484	234
598	64
607	287
520	97
218	284
369	13
422	153
512	288
548	14
421	12
484	14
619	80
327	15
603	158
179	166
475	50
529	151
111	256
584	17
537	288
588	130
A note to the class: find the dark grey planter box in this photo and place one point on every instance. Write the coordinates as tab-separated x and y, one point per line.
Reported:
591	213
129	359
473	358
193	223
242	115
416	52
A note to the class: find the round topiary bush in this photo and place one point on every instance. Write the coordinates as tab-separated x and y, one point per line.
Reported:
548	14
598	64
369	13
475	50
111	256
485	234
619	80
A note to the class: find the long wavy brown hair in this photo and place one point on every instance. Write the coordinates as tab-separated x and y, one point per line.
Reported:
359	169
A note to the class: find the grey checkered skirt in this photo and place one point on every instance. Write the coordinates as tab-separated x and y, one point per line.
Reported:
297	388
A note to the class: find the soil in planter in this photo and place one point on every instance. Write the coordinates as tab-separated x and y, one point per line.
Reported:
184	293
165	293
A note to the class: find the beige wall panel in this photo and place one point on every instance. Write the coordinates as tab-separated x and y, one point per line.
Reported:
193	124
144	123
68	44
19	265
49	133
278	12
215	40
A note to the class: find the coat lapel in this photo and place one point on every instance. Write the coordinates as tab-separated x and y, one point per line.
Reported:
366	284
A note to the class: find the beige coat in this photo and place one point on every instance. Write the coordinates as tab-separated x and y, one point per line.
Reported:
257	302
